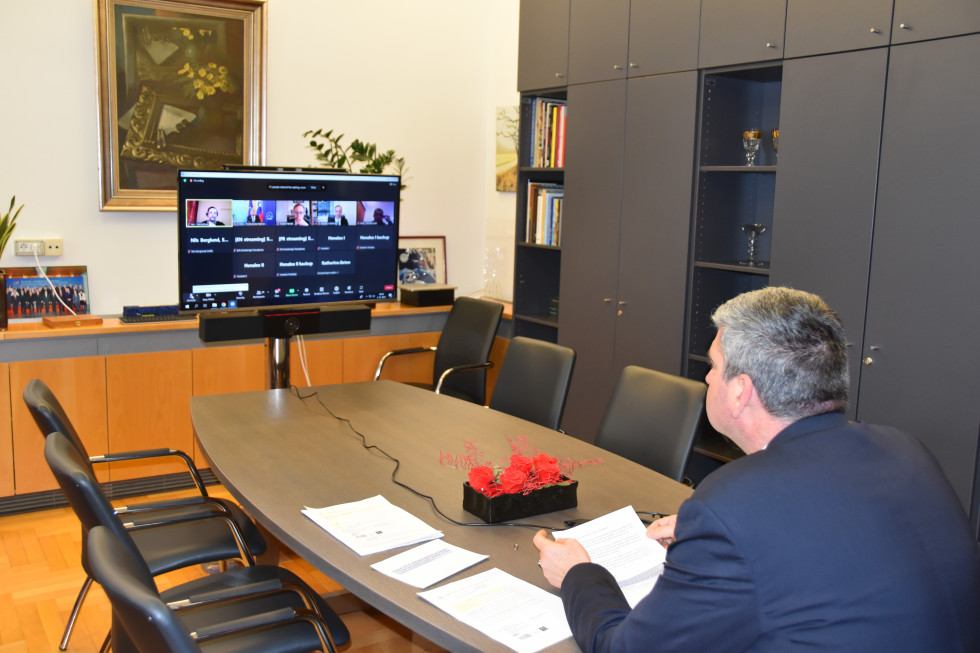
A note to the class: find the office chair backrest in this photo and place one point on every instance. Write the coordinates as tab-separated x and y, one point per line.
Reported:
148	622
652	419
49	416
81	489
533	381
467	338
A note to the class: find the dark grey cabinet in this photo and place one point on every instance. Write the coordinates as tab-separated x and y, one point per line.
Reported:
918	20
741	31
826	26
628	194
598	40
922	371
613	39
542	45
830	126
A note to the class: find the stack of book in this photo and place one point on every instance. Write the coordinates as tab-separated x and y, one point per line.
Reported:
544	213
547	118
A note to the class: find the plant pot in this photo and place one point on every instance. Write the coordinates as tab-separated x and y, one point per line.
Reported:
508	507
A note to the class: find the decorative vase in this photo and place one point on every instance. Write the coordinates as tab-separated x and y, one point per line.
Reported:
508	507
3	300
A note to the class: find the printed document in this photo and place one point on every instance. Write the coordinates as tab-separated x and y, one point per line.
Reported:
372	525
512	611
618	542
428	563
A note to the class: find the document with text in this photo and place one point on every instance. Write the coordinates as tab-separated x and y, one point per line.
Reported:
618	542
512	611
372	525
428	563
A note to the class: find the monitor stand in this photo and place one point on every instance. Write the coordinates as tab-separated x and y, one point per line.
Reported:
278	362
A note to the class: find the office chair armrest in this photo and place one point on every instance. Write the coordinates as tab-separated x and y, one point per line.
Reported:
227	593
399	352
166	504
236	532
470	367
144	454
250	622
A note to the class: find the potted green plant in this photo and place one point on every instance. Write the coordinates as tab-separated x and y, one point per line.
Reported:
7	224
331	152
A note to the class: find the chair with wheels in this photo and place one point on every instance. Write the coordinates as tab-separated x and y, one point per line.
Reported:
50	417
462	354
652	419
533	381
165	546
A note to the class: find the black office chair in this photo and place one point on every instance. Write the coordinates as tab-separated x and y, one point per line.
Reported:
258	617
652	419
164	545
50	417
533	381
464	346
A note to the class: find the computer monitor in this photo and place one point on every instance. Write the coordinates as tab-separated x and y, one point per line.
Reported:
261	238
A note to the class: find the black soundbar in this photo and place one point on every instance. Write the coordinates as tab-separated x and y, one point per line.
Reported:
283	323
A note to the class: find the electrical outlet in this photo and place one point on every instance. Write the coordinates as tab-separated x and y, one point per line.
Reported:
28	247
53	247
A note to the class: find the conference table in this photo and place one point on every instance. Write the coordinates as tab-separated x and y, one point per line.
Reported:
278	451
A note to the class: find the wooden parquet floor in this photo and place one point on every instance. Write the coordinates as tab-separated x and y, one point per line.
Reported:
41	573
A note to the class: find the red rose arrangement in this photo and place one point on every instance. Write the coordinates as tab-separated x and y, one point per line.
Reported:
527	469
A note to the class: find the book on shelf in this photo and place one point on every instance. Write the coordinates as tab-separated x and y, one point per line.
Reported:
546	118
544	202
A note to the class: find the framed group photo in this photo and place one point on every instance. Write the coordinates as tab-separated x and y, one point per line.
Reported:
422	259
29	295
180	86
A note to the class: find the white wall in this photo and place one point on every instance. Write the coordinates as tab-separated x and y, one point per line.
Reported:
422	77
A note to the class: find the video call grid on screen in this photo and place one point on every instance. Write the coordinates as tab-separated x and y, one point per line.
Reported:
259	239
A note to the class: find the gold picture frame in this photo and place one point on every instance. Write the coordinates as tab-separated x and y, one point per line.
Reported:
181	85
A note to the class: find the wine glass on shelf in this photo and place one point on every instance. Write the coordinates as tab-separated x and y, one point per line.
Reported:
753	231
775	140
751	139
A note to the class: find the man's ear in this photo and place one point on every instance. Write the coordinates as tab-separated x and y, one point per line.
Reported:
744	389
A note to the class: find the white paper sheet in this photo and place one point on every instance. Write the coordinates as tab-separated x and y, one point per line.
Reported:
513	612
372	525
618	542
428	563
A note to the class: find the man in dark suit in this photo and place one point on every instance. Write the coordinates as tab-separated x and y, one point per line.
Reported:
829	535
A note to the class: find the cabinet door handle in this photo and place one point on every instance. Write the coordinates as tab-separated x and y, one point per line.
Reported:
616	66
634	65
868	362
607	300
559	75
770	44
905	26
875	30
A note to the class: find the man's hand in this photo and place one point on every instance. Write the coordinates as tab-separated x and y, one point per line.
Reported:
558	556
662	530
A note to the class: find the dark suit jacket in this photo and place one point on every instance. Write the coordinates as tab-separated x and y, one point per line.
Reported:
837	537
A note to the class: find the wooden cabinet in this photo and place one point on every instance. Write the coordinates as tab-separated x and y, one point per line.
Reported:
148	396
542	44
6	435
80	385
918	20
741	31
826	26
627	217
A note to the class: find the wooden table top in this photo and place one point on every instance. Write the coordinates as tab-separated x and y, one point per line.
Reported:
277	453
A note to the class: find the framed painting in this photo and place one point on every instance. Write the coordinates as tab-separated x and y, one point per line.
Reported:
180	86
30	295
422	259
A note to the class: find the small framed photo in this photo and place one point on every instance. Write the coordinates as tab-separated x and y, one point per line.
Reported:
29	295
422	259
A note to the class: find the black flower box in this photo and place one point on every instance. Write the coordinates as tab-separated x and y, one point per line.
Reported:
508	507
